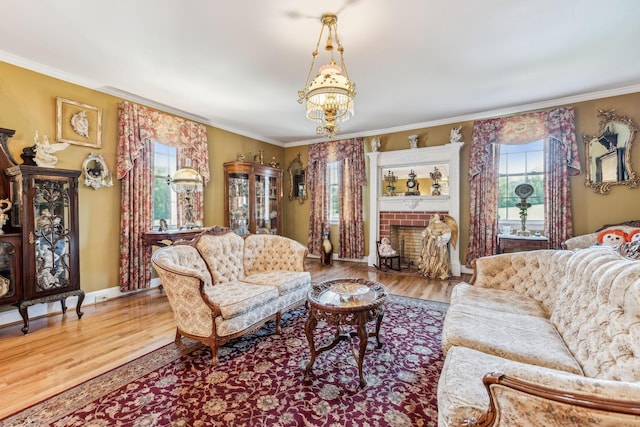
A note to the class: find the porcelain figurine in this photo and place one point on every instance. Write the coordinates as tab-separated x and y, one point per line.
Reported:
44	157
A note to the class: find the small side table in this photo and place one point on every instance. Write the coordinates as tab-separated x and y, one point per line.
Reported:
160	238
343	303
527	243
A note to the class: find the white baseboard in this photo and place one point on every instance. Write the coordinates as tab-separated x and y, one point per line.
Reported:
335	257
13	316
466	270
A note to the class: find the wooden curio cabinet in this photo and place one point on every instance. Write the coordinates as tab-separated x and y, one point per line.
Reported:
253	198
45	208
42	243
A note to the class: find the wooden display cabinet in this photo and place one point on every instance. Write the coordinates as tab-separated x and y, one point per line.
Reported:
253	198
45	208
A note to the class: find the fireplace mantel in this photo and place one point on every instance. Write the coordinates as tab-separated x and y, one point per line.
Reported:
420	159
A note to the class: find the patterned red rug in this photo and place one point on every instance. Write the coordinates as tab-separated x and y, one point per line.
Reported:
259	381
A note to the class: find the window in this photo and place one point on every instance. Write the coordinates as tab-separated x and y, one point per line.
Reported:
165	201
521	163
332	182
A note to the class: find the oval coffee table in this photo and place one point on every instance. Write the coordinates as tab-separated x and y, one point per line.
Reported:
346	304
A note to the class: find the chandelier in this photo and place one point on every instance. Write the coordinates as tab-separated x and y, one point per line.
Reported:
329	95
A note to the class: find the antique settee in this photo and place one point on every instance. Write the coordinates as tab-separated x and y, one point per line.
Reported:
221	286
545	338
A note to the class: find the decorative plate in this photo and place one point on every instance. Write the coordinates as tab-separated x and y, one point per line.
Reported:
351	289
80	124
524	190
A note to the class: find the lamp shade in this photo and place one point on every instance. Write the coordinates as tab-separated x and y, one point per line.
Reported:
186	180
330	95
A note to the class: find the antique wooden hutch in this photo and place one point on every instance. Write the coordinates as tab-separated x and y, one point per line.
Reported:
39	254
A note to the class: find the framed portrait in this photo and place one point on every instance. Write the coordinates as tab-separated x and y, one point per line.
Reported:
79	124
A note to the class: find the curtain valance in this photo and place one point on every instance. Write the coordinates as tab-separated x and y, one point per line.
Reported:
557	124
335	151
138	125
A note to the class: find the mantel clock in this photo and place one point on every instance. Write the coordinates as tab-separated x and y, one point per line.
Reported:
413	186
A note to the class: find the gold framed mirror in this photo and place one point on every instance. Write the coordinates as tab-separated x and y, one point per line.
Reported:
608	153
297	180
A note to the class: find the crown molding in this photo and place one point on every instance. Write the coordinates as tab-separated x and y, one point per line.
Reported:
77	80
520	108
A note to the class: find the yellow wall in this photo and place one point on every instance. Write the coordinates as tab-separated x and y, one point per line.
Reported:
590	210
28	103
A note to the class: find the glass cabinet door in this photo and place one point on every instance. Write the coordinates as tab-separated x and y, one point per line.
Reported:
266	213
8	269
272	205
51	234
239	202
260	206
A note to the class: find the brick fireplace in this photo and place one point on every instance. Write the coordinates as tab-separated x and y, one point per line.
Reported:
402	218
404	229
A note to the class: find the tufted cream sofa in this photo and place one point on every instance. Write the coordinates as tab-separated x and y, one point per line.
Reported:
221	286
544	338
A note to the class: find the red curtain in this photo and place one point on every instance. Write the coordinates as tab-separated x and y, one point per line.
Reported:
138	126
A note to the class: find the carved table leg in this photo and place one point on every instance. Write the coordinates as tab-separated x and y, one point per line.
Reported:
63	303
378	324
308	330
363	337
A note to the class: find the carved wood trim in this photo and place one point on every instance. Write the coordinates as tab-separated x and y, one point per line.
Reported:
631	223
560	396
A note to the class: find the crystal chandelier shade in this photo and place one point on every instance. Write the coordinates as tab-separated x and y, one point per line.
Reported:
328	97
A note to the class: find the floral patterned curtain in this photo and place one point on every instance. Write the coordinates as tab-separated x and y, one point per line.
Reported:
561	162
483	177
557	127
352	174
138	126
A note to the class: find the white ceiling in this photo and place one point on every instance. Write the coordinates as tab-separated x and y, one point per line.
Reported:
238	65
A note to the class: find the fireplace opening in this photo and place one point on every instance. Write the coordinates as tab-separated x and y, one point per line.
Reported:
407	241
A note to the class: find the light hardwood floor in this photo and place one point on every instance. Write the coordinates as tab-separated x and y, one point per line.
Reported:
61	351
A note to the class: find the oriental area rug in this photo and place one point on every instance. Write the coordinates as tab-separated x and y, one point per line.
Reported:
260	380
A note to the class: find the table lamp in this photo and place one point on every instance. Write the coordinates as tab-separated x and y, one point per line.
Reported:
187	181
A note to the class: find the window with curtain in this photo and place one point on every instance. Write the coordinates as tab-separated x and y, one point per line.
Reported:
556	127
138	127
350	174
519	164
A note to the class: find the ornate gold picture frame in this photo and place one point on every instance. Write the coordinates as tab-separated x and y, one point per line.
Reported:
79	124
